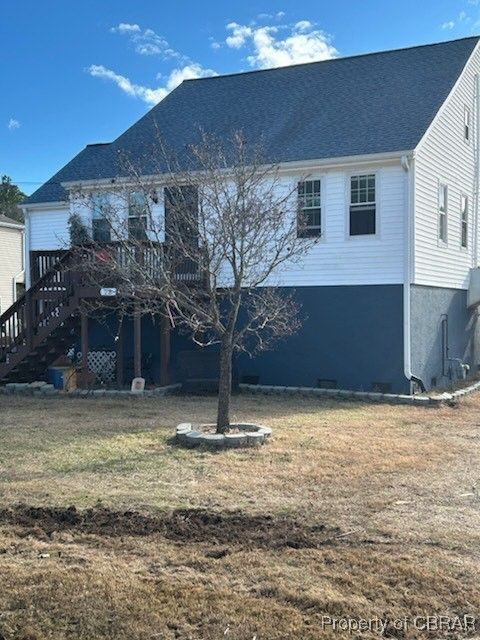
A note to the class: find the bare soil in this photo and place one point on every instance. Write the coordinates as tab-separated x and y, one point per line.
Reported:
181	525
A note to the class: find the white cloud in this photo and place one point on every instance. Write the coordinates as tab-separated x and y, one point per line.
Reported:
239	35
304	43
303	25
147	94
13	124
125	27
462	17
188	72
147	42
269	16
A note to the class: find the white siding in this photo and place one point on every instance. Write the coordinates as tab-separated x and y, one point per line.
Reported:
48	229
444	156
339	259
11	264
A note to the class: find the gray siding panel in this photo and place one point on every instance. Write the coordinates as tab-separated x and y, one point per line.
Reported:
428	306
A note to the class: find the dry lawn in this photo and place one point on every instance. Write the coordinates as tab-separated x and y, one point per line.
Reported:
351	510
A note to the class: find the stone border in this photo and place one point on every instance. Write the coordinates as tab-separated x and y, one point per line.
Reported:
253	436
43	390
367	396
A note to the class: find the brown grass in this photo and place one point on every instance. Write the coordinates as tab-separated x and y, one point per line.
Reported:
351	510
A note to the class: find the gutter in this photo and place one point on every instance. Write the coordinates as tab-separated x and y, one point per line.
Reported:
44	206
11	225
408	165
283	167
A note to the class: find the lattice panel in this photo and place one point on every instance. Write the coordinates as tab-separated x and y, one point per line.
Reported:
102	363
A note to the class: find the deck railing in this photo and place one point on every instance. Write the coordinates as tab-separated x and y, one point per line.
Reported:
149	255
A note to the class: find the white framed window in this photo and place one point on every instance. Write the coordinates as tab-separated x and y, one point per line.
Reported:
363	205
309	193
101	227
137	216
442	212
466	124
464	221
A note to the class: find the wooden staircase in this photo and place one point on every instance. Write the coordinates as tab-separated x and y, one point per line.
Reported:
41	325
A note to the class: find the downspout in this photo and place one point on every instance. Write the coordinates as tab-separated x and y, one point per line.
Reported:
408	165
476	196
476	173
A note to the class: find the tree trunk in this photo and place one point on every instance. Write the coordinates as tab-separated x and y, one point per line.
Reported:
224	386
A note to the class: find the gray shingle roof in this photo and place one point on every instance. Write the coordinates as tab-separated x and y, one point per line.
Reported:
373	103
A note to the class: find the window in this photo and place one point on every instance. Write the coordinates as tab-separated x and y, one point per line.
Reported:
309	209
181	214
466	124
137	216
464	220
442	212
362	205
101	229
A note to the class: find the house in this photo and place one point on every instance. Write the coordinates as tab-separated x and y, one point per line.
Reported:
390	144
11	261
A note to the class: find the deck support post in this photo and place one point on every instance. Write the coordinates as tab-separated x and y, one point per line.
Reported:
137	343
164	349
84	341
119	354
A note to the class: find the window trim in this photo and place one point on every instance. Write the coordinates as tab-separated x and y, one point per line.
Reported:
467	124
313	178
463	196
348	200
442	242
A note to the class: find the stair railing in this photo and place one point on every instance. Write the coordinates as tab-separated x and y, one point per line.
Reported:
36	307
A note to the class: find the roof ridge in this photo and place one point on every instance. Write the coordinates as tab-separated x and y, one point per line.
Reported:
338	59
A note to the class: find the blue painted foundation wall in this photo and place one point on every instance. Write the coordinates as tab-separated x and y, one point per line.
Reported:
428	305
350	334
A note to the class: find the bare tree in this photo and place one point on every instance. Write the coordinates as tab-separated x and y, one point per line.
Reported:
214	262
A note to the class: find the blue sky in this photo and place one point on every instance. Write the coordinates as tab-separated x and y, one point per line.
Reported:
75	72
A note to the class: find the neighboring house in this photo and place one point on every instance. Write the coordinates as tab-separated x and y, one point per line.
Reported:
11	261
390	142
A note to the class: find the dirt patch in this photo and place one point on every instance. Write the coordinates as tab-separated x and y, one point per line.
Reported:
181	525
